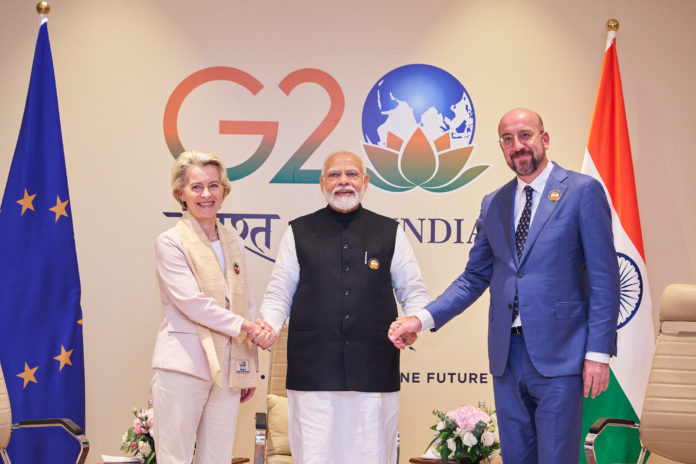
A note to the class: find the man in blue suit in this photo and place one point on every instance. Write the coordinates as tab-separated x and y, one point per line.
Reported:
544	246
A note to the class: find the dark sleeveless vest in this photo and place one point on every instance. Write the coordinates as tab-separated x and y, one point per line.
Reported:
344	304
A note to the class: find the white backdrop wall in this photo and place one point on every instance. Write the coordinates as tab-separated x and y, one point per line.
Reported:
117	64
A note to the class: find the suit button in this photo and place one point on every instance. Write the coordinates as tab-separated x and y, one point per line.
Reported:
345	246
347	268
509	305
346	317
347	342
519	275
346	293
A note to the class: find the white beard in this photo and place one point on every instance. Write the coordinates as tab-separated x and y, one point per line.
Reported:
344	203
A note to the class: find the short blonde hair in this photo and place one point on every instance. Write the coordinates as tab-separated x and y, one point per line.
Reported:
196	158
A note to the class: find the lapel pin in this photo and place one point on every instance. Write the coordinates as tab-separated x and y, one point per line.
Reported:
373	263
554	195
236	268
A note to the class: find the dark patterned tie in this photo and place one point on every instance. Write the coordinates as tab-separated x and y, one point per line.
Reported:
523	225
521	237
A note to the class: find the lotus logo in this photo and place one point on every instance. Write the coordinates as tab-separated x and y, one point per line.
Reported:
418	123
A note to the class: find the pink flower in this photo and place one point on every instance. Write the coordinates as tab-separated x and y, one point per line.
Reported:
488	438
149	423
134	445
137	430
467	417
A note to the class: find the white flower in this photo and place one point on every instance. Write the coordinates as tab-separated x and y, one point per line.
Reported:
488	438
440	426
451	444
124	437
437	442
144	448
469	439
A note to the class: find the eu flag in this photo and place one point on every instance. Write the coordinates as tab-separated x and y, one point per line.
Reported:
40	316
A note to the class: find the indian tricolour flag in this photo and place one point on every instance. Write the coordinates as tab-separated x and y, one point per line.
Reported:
608	159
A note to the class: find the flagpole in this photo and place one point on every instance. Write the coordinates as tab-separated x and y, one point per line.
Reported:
612	27
43	8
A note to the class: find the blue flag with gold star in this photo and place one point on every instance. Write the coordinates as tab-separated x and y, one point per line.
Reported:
40	316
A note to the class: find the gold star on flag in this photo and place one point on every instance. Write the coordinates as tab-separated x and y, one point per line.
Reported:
80	322
59	209
28	374
26	202
63	357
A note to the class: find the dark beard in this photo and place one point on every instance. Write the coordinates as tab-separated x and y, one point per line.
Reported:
530	168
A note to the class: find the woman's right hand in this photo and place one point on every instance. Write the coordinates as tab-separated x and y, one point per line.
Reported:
252	330
260	333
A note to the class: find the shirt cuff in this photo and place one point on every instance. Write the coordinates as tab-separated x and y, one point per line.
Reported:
426	319
274	320
599	357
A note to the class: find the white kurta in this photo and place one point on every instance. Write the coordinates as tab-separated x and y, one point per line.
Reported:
342	427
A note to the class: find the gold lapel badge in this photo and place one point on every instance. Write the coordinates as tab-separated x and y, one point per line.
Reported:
236	268
373	263
554	195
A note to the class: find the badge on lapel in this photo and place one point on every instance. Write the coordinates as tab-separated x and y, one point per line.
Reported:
373	264
554	195
236	268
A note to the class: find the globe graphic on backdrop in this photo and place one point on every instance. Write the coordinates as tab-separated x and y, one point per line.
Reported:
418	96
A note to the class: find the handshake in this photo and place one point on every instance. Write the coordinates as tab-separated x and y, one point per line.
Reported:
260	333
402	332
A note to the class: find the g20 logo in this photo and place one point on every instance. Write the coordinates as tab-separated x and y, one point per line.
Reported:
418	123
291	172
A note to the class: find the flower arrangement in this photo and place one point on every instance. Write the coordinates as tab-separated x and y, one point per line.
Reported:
138	439
466	434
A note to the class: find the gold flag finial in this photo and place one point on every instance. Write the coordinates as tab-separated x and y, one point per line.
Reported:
43	8
613	25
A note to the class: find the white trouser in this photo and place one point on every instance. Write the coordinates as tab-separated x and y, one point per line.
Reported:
191	410
343	427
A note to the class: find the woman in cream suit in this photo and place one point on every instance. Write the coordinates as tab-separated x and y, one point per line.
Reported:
204	360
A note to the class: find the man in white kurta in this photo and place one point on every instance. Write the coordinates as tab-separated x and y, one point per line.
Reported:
336	274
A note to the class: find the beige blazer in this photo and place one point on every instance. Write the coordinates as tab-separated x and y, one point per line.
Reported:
178	347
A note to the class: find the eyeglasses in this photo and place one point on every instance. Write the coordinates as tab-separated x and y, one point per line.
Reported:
525	137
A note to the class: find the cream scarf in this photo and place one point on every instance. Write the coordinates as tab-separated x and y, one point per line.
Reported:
211	281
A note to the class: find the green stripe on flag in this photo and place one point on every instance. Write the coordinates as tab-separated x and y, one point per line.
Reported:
615	444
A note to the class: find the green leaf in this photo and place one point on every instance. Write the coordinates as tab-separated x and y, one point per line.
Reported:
377	182
466	177
449	165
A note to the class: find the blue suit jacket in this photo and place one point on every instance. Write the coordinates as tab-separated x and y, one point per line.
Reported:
567	278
